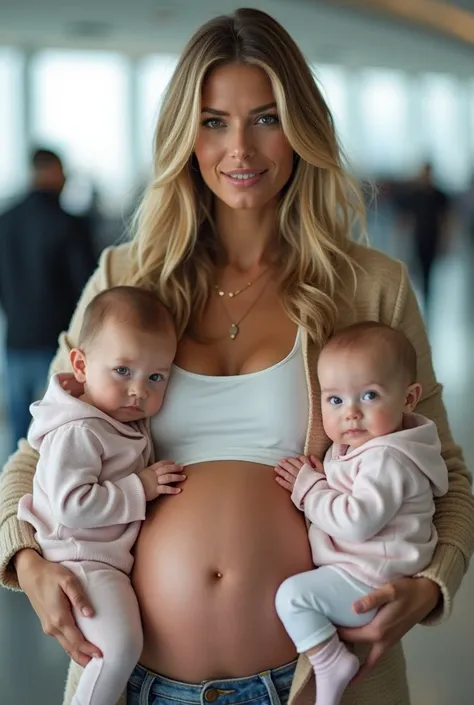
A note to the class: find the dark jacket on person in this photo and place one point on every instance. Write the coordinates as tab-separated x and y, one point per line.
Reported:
46	257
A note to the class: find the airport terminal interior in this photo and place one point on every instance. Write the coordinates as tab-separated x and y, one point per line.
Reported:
86	80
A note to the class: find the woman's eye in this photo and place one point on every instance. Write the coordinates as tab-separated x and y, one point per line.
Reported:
269	120
335	401
156	377
369	396
122	371
212	123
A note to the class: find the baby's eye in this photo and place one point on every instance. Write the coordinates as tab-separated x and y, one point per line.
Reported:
369	396
157	377
122	371
335	401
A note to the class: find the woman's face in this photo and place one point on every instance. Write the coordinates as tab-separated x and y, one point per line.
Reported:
243	155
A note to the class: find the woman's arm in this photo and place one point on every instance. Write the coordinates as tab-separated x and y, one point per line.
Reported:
16	479
454	517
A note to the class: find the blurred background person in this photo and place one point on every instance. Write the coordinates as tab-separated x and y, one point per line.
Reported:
46	256
466	211
425	211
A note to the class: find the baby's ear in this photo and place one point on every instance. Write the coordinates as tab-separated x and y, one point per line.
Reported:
78	364
412	397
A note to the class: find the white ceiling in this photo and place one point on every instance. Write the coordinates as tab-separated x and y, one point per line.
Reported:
326	32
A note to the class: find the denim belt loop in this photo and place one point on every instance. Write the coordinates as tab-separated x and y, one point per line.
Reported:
266	678
145	689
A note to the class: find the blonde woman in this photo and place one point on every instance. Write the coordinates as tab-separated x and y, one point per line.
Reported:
244	233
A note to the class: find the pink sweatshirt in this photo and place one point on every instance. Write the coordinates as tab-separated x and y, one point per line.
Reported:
87	501
371	514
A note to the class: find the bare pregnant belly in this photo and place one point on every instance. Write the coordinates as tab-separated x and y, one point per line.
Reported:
208	563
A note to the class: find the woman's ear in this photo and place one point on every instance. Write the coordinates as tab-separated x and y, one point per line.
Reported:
412	397
78	363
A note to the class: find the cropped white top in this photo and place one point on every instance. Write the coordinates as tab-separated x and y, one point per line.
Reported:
259	417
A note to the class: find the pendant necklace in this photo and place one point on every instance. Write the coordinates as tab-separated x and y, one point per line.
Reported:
235	325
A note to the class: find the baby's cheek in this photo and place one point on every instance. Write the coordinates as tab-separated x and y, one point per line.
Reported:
385	420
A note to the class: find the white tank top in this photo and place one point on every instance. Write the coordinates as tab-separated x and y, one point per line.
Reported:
259	417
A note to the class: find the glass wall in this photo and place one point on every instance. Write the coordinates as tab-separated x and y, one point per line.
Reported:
154	72
446	128
12	162
80	106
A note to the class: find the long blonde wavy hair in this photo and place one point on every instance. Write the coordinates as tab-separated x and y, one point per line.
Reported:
175	243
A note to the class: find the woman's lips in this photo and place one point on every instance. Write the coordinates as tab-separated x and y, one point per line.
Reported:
244	178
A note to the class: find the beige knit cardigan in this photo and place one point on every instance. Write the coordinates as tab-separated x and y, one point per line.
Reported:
383	293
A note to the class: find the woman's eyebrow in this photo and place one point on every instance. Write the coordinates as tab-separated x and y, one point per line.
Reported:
222	113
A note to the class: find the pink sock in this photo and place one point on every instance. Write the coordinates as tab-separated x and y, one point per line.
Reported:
334	666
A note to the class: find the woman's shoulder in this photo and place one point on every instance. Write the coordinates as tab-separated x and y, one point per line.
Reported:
115	265
376	265
380	284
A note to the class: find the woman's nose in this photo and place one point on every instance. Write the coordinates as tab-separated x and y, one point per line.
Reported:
241	146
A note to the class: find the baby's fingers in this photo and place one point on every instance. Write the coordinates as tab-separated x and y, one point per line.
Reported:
167	489
169	478
285	475
168	469
291	465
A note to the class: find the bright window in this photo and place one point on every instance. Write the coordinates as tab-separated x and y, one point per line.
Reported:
386	142
333	85
153	77
12	164
446	129
80	107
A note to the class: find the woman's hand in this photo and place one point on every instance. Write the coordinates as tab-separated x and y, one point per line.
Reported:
404	603
53	591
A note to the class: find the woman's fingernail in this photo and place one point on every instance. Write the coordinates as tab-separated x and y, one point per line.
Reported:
87	612
359	607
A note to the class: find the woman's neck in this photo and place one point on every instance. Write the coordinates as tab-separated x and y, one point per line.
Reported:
246	236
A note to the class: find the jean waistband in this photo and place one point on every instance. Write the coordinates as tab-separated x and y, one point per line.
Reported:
226	691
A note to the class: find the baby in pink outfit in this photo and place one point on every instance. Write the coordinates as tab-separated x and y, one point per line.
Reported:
96	473
370	505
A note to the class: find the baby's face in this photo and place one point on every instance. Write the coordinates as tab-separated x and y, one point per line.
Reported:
127	371
362	396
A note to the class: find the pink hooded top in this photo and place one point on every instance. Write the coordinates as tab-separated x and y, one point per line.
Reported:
371	514
87	501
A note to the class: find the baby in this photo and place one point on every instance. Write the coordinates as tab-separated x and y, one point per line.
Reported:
370	507
95	472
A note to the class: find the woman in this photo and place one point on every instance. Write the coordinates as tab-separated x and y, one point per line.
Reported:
245	235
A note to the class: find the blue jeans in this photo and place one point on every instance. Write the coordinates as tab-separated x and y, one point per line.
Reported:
266	688
26	374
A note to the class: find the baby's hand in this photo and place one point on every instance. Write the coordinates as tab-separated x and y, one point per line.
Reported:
156	479
287	469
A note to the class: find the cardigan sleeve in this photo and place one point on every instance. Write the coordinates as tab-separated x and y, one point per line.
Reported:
454	515
16	479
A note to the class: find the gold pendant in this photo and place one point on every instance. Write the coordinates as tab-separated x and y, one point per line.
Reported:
234	331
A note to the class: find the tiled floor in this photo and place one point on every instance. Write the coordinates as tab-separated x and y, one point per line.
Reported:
32	666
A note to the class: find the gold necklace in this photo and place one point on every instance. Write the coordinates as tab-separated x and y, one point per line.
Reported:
234	325
233	294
